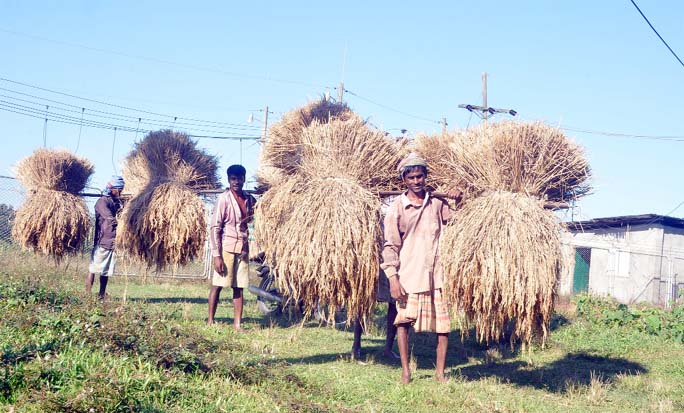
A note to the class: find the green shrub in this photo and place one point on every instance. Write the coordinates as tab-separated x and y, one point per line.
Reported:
668	324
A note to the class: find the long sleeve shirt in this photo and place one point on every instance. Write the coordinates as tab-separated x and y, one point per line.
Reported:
411	248
105	222
228	227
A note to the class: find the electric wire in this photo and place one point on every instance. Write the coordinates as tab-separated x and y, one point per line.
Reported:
162	61
391	108
99	102
658	34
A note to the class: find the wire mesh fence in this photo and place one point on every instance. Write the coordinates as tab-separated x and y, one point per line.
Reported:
12	195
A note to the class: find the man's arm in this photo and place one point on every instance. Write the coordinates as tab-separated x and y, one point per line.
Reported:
390	254
216	233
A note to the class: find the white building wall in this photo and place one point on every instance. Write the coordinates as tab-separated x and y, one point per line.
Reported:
626	263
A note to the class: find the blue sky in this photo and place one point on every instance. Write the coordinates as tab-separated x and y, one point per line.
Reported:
583	65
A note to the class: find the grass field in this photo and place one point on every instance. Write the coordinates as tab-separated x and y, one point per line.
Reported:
63	351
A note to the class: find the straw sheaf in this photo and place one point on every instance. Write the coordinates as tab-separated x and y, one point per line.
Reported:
350	150
273	210
530	158
57	170
168	156
52	223
282	148
327	251
163	226
502	257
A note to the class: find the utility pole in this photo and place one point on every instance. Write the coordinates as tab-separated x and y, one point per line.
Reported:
263	135
485	111
485	114
444	126
340	92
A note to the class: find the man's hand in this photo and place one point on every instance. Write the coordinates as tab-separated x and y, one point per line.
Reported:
396	290
456	193
219	266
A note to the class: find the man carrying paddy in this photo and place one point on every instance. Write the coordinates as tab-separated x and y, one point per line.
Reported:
410	259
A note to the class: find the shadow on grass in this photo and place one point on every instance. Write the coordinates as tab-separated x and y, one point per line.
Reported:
575	369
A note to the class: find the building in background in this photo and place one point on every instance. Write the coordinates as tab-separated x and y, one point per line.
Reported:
637	258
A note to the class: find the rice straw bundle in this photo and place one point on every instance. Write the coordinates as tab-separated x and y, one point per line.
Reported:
321	227
165	225
503	255
165	222
538	159
53	220
282	149
168	156
327	251
531	158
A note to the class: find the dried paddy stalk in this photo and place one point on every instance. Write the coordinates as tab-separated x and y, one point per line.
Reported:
282	148
52	223
59	170
164	226
501	258
327	252
531	158
168	156
53	220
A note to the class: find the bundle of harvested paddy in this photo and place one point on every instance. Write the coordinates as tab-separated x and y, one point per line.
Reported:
168	156
164	224
282	148
327	252
321	227
531	158
501	257
53	220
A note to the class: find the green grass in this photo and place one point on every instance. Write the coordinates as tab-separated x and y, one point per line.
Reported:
63	351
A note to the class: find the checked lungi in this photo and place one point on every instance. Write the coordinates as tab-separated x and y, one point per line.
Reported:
426	312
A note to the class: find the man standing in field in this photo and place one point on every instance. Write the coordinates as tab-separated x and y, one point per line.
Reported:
102	256
411	261
229	244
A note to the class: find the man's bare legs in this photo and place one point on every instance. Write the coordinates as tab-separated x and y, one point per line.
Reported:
214	294
389	337
90	280
402	342
391	332
442	344
237	308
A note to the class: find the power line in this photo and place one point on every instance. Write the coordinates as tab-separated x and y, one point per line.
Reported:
658	34
102	125
163	61
625	135
123	118
391	108
104	103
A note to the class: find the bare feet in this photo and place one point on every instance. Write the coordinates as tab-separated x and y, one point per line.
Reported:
406	377
239	329
441	378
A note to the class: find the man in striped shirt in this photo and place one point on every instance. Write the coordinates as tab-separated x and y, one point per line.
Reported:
229	243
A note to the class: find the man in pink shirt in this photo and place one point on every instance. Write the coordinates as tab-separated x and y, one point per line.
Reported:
229	243
411	261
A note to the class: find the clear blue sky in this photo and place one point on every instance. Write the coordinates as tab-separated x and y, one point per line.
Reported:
580	64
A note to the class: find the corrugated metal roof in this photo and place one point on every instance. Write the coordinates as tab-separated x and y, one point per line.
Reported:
623	221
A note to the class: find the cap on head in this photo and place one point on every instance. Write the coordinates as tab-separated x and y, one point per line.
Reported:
117	182
410	161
